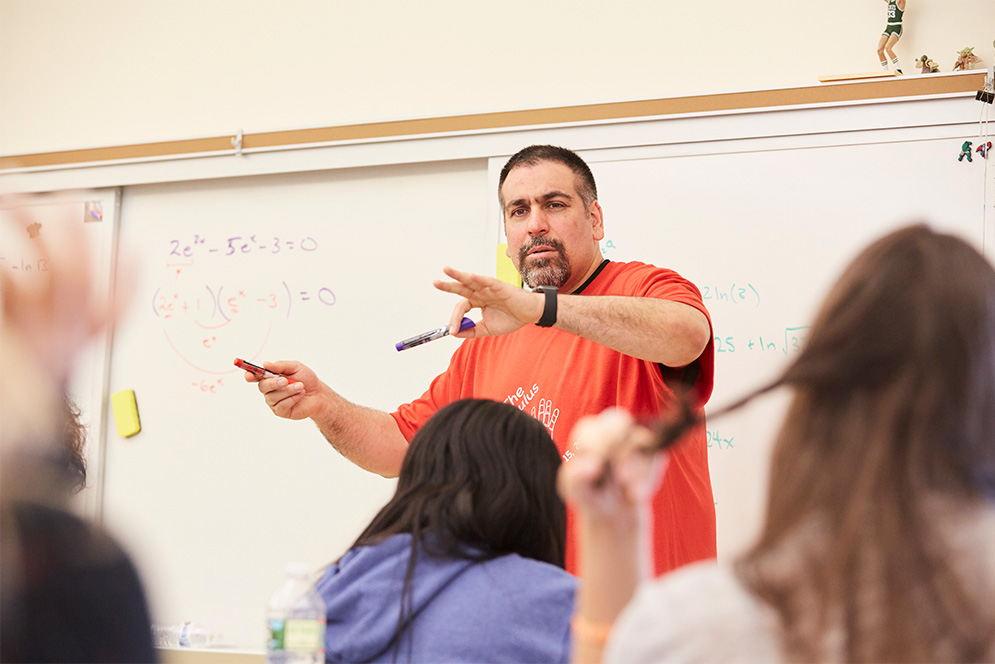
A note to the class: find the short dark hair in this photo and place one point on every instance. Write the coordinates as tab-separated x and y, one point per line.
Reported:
535	154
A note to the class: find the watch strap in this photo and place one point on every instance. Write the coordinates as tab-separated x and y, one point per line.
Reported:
548	318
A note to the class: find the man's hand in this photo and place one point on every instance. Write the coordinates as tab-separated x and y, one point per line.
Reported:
503	307
296	400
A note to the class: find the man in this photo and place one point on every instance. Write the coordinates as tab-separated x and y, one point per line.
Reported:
593	334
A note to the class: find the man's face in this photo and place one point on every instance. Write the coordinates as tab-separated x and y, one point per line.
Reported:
552	236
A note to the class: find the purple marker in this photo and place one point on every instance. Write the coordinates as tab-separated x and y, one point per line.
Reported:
465	324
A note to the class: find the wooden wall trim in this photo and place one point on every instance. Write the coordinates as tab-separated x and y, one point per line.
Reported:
842	92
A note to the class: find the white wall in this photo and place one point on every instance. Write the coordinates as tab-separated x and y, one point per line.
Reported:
90	73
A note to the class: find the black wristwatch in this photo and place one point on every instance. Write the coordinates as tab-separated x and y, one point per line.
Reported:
549	310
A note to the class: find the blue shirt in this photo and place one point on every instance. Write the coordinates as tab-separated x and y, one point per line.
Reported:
508	609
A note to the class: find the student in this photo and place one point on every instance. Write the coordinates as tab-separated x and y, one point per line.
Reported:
465	562
68	591
892	33
879	538
603	333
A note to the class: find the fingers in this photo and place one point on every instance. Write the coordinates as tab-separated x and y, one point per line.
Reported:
612	467
283	370
286	393
579	476
282	399
603	433
458	275
284	367
54	310
458	287
449	286
456	319
269	385
465	284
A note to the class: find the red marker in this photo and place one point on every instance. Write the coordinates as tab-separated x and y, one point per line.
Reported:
259	371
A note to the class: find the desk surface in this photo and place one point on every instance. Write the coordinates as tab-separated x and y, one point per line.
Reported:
210	656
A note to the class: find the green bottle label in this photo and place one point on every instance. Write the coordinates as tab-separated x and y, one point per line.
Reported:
277	630
304	635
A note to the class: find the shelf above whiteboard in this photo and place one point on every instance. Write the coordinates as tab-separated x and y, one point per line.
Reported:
848	88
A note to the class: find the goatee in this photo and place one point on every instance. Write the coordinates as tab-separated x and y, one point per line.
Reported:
547	271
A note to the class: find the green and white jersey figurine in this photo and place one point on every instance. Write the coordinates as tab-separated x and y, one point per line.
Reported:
892	33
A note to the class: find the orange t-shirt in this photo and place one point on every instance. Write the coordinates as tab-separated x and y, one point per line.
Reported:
558	377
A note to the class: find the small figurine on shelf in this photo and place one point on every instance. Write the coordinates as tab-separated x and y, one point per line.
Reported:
892	33
965	151
966	59
983	149
927	64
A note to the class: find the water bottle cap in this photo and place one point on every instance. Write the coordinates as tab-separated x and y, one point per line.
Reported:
298	569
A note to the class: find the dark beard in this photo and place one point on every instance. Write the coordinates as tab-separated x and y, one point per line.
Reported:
552	271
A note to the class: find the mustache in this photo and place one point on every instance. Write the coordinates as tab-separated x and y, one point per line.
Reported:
538	242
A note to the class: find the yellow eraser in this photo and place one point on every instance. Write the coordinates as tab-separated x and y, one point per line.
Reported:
506	271
125	413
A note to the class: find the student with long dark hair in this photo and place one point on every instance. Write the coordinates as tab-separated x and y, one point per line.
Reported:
879	538
465	562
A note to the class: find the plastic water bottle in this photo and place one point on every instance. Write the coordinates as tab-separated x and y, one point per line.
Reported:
296	620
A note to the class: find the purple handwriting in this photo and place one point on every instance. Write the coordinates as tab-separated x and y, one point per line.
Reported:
240	245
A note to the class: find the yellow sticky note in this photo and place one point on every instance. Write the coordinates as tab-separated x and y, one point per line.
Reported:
125	413
506	271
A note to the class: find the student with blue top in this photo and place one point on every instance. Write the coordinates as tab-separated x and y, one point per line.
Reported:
465	562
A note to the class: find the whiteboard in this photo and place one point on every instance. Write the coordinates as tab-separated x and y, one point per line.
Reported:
216	494
763	229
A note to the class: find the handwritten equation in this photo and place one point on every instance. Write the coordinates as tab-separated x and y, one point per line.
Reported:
790	341
24	265
208	386
731	294
224	303
717	441
213	303
240	245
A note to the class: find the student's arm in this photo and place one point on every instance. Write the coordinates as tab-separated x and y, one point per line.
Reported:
367	437
670	333
607	505
45	321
